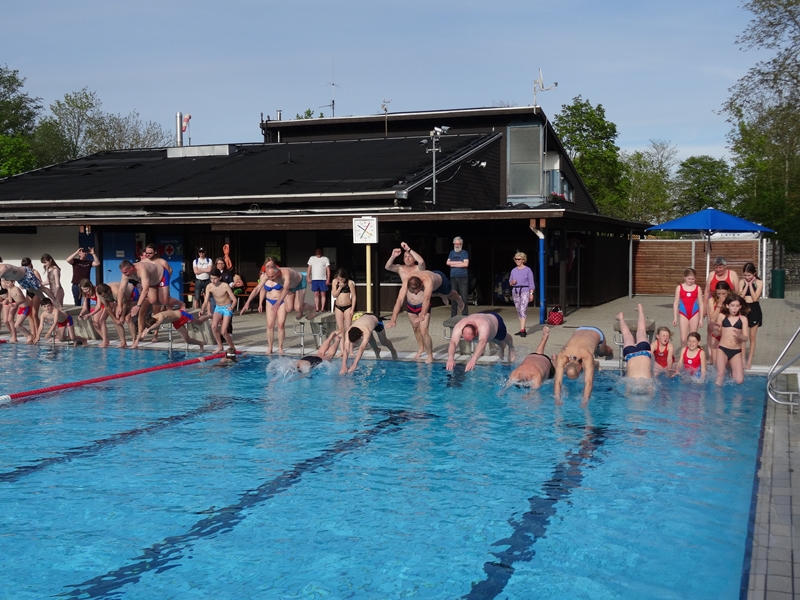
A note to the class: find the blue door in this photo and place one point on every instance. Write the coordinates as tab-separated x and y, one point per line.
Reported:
170	248
116	248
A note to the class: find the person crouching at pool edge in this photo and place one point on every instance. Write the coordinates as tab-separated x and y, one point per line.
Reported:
485	327
578	355
62	321
692	358
362	330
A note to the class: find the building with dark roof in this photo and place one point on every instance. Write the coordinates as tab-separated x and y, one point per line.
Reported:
501	173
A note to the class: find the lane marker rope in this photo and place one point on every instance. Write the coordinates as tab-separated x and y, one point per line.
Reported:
66	386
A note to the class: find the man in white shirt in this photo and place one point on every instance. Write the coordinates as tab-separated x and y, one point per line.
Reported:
319	273
202	268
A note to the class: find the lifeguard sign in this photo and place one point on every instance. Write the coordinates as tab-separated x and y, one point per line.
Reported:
365	231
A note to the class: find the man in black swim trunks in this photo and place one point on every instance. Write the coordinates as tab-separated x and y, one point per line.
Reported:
361	331
486	327
535	368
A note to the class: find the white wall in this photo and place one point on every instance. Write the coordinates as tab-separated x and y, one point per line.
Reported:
58	242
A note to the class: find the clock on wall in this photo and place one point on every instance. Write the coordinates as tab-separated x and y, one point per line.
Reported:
365	230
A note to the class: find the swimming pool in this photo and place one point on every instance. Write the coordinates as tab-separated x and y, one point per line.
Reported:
400	481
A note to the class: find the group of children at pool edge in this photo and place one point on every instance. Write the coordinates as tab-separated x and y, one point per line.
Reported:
730	304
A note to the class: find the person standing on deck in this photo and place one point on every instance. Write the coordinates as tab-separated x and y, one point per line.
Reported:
458	261
81	269
319	274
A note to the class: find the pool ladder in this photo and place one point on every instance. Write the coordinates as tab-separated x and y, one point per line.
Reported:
774	393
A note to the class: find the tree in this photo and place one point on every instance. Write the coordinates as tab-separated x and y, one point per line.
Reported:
589	139
18	111
78	127
15	155
648	180
703	182
309	114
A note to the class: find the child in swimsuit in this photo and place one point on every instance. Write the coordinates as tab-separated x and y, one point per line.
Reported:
178	318
688	307
223	311
19	307
663	351
61	322
751	288
714	307
692	358
731	326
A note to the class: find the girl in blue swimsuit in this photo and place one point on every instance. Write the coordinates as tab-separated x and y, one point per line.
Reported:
269	291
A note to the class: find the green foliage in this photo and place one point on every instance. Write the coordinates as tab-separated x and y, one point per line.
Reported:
764	110
18	111
15	155
703	182
589	139
648	182
309	114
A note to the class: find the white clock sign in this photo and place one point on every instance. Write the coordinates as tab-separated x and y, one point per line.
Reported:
365	230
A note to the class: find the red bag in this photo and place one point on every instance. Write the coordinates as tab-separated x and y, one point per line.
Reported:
555	316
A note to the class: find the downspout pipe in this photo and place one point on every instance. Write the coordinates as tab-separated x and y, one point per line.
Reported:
542	288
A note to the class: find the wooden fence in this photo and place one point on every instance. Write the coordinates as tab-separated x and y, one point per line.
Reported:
658	265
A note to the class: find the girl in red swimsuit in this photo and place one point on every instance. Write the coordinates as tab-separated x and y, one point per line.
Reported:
688	306
663	351
692	357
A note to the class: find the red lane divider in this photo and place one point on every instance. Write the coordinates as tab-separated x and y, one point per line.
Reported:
75	384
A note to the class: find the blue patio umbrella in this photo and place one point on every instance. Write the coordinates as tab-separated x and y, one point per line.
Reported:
708	222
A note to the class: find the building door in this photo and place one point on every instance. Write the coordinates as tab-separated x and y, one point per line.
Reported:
116	248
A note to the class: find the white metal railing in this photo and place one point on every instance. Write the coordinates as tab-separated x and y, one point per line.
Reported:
773	374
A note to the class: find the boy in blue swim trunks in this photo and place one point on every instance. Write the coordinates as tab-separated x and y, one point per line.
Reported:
223	311
61	322
178	318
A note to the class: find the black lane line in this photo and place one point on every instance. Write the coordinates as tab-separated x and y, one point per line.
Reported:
118	438
567	475
165	555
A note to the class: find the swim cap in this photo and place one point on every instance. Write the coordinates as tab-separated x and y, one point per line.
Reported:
358	315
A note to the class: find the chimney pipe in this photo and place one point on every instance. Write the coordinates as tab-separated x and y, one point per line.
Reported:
179	129
279	114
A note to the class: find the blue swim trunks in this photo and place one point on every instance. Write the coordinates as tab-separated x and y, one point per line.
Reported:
502	331
445	288
319	285
598	351
164	279
301	285
225	311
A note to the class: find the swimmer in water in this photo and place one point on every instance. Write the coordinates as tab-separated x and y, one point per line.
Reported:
535	368
325	353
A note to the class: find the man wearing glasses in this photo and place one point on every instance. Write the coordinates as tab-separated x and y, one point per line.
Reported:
202	275
458	261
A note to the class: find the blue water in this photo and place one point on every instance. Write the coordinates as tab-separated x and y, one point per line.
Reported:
401	481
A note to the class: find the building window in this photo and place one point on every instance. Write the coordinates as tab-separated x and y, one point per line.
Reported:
525	161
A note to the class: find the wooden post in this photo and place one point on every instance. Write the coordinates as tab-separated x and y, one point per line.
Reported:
369	278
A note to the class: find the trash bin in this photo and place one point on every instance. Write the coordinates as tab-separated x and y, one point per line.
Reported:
778	283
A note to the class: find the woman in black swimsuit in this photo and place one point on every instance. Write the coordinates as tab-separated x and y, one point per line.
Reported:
343	292
733	330
750	288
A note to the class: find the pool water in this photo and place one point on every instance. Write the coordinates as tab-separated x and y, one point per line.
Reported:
400	481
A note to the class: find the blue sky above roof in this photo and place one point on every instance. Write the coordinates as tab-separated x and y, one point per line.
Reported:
661	69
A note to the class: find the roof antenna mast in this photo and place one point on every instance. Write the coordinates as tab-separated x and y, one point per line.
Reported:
333	85
538	86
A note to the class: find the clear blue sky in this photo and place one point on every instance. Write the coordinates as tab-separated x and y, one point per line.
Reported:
660	68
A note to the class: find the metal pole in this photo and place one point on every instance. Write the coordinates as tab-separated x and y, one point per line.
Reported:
434	170
369	278
542	282
630	266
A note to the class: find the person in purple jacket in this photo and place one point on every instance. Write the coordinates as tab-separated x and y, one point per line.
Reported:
522	287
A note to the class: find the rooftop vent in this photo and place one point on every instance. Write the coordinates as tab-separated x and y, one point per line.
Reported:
187	151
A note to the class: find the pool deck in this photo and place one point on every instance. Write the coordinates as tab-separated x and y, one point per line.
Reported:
775	566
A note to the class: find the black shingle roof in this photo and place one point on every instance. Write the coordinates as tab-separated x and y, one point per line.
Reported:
301	168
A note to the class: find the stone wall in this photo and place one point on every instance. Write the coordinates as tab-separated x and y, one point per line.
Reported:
791	262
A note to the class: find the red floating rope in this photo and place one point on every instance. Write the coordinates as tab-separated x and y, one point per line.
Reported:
75	384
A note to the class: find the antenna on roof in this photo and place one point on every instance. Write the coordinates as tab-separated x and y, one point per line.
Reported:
538	85
333	85
385	109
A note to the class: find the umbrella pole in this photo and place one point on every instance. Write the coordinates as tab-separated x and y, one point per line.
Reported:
708	254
